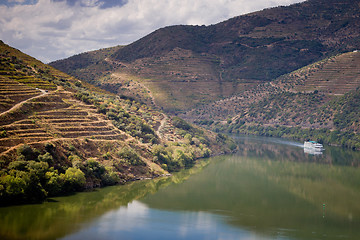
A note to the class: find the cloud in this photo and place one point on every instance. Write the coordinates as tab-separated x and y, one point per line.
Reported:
55	29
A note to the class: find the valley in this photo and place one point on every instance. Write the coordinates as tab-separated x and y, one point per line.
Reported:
283	67
141	111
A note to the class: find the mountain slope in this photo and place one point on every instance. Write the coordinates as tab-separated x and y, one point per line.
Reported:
322	96
58	134
211	62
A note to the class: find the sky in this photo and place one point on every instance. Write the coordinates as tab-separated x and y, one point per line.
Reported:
50	30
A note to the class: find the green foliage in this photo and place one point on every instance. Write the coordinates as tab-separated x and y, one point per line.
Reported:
71	147
129	123
74	180
110	177
47	157
18	165
347	111
76	161
107	156
93	168
27	180
176	157
26	152
84	96
188	138
54	183
23	182
3	134
180	123
130	156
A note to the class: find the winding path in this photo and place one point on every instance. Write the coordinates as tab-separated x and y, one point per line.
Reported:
18	105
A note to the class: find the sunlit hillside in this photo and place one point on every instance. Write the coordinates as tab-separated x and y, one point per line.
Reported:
59	135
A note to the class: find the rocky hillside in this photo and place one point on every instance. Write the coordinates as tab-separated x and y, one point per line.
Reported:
188	66
59	134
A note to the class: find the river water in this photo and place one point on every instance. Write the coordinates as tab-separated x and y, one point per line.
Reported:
270	189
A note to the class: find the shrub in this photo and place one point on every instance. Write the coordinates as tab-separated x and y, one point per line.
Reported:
76	161
49	148
110	177
20	187
93	168
54	183
74	179
46	158
131	156
180	123
27	152
18	165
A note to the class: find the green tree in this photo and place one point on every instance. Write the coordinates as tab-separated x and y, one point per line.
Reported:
74	179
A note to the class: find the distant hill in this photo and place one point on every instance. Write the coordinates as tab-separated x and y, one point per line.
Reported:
59	134
323	96
189	66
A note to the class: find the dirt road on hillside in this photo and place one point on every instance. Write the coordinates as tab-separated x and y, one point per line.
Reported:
18	105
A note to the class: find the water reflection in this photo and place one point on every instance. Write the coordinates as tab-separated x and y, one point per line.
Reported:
312	151
63	215
273	189
270	189
276	149
138	221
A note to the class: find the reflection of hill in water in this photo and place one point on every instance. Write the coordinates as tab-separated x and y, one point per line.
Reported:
64	215
268	148
267	188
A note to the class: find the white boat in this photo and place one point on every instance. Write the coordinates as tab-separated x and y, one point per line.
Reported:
312	145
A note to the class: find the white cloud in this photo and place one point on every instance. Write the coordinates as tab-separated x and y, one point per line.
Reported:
50	30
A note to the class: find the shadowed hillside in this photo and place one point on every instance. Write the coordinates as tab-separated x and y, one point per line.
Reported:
189	66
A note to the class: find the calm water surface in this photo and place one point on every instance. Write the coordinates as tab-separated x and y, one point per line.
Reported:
270	189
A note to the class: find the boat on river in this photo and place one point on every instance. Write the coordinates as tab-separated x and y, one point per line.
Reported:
314	146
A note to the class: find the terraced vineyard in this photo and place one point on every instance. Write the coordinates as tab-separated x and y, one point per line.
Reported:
68	118
334	76
12	92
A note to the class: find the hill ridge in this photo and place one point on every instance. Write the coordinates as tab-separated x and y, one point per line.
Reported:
217	61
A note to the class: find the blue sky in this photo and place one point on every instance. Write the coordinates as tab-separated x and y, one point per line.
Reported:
54	29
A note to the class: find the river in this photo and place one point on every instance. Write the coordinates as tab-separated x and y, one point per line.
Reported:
270	189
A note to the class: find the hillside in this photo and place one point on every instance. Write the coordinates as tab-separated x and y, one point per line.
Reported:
60	135
188	66
321	100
